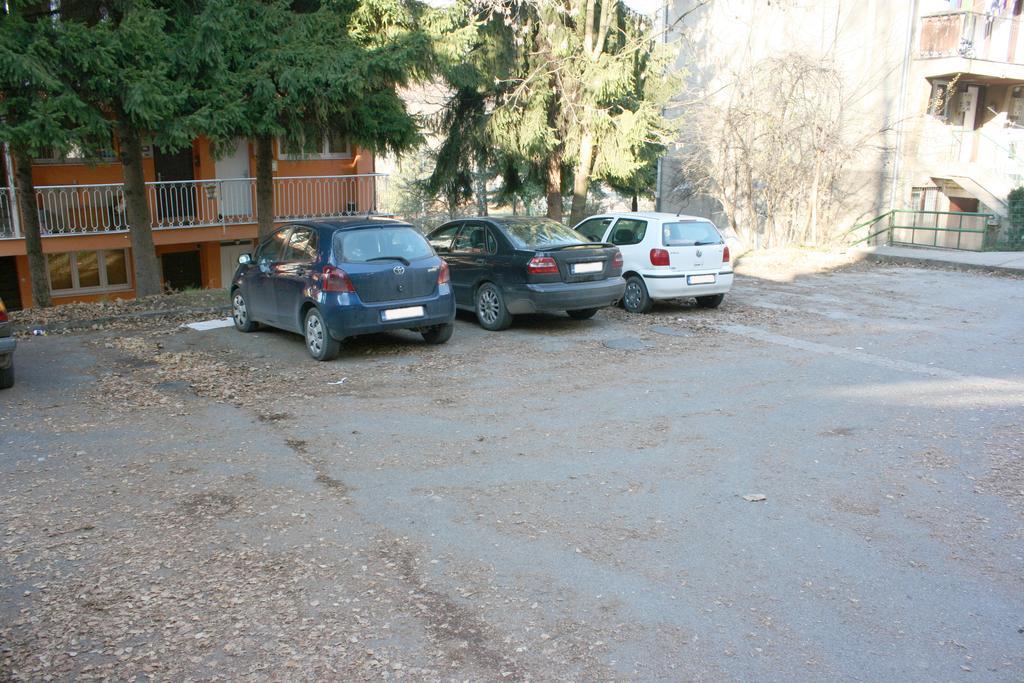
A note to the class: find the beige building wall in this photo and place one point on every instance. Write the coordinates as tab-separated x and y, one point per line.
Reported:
866	41
894	56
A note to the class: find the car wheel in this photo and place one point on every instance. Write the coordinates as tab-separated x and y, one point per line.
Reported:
635	299
438	334
7	377
713	301
319	342
490	308
240	313
582	313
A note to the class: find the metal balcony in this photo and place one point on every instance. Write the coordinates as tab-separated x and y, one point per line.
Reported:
94	209
972	43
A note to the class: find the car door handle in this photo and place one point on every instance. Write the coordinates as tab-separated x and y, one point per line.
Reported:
480	261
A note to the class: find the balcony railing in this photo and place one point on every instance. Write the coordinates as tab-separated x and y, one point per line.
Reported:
90	209
972	35
7	222
1000	159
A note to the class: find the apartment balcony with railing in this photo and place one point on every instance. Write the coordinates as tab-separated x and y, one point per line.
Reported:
972	43
100	208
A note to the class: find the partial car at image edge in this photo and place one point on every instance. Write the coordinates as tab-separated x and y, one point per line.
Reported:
7	346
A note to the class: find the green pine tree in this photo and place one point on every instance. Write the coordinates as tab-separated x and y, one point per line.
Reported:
128	60
298	71
39	113
570	88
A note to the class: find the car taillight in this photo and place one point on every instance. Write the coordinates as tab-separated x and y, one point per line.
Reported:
541	264
617	260
443	275
336	280
659	257
725	254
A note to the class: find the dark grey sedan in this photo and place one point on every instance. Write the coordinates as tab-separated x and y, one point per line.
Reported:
501	266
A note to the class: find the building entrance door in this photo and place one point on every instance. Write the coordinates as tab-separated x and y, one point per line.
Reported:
174	193
229	253
963	117
235	188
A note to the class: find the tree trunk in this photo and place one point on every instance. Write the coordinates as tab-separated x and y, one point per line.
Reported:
480	187
147	271
554	189
581	182
30	229
265	185
635	204
815	183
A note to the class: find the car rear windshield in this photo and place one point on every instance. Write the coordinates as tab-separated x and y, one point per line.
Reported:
540	233
370	244
689	234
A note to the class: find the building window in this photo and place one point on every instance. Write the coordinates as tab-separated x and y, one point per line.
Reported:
74	155
924	198
938	103
1016	113
331	147
76	272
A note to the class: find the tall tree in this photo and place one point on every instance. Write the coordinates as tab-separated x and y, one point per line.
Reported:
583	91
127	59
39	113
300	71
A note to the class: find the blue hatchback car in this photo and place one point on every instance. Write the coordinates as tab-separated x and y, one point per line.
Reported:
329	280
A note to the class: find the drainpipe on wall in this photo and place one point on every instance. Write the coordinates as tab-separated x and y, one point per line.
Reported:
661	159
897	166
12	196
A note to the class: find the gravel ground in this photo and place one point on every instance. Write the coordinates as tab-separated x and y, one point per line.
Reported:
821	479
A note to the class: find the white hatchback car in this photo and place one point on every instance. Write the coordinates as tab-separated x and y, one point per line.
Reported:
665	256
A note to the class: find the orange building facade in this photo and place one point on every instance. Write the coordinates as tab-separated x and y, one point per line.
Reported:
202	211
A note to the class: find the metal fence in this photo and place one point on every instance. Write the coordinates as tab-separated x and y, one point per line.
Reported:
939	229
945	229
100	208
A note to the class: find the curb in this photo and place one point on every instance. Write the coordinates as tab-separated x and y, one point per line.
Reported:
945	265
141	315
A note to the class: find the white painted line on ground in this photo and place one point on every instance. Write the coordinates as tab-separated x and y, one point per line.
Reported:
962	381
210	324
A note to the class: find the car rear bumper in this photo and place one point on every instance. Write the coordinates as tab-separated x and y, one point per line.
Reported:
673	286
347	316
7	346
564	296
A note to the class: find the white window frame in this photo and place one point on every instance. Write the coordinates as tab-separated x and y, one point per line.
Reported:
322	153
101	256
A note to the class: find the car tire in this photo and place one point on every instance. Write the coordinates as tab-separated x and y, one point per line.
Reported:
438	334
582	313
7	377
491	311
240	313
319	342
713	301
636	299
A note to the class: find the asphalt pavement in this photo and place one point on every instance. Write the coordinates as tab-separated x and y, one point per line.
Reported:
821	480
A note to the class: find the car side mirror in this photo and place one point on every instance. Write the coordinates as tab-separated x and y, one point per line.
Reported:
245	259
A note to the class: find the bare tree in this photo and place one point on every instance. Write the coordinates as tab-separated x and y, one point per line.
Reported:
772	150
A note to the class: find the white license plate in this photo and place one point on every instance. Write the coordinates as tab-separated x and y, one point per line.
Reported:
593	267
701	280
402	313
